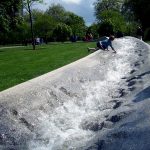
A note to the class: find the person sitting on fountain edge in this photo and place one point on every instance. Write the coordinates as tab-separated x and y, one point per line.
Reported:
104	44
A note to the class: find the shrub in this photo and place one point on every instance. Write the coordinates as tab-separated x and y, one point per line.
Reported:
62	32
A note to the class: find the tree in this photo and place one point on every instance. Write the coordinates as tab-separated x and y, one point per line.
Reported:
9	18
9	14
140	9
114	19
94	30
76	23
103	5
57	12
62	32
43	25
23	31
27	5
4	18
109	16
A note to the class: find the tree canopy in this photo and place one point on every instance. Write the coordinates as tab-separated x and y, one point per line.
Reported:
76	23
60	15
140	9
57	12
62	32
9	14
109	17
104	5
112	16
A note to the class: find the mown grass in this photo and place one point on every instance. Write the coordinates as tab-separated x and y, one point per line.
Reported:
21	64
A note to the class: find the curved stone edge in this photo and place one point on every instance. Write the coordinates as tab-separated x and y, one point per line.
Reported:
47	76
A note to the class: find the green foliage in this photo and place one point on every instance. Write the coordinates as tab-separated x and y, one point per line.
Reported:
76	23
43	24
93	29
57	12
111	22
27	4
109	17
23	31
9	14
4	21
131	28
35	23
105	5
62	32
140	9
16	36
9	19
60	15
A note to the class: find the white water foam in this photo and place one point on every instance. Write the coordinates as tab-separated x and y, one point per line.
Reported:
65	128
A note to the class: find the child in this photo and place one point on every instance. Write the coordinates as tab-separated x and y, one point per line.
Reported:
104	44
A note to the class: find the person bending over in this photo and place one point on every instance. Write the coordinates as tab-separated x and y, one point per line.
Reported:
104	44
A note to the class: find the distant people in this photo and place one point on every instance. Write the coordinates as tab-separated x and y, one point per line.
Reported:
73	38
41	41
104	44
37	40
139	33
89	37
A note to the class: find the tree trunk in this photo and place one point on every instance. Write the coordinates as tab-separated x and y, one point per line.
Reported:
31	25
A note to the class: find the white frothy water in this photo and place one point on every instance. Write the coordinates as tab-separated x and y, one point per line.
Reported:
71	125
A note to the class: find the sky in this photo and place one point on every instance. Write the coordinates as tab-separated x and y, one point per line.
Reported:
83	8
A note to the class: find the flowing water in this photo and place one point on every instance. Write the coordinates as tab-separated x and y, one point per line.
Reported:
67	112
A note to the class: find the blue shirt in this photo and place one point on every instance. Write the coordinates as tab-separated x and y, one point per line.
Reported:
106	43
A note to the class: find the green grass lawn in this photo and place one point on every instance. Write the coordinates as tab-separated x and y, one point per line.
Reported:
21	64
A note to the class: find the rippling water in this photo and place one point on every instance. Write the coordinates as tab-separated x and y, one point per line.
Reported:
67	109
